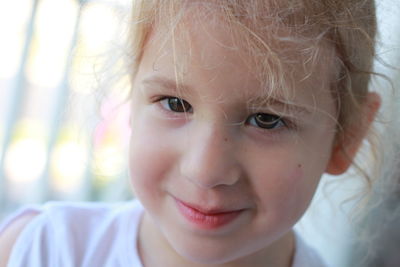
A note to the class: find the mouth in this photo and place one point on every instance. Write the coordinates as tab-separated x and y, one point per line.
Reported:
207	218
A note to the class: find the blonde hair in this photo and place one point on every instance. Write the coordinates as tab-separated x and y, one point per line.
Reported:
301	27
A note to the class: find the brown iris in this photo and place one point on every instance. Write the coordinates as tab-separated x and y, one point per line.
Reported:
266	121
178	105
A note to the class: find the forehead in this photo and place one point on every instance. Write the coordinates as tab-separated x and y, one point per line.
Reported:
270	59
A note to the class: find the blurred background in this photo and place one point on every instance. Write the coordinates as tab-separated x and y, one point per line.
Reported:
62	137
64	121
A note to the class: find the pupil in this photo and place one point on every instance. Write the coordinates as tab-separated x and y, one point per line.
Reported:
267	120
178	105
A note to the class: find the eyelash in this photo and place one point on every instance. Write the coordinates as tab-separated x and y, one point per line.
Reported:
276	122
179	101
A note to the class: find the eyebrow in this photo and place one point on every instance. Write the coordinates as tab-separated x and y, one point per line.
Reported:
255	102
268	100
165	82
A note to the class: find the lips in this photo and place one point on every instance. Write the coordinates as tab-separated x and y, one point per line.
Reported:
208	219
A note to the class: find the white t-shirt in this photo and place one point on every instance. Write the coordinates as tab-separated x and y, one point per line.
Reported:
94	235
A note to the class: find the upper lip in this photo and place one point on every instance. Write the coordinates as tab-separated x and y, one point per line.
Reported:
209	209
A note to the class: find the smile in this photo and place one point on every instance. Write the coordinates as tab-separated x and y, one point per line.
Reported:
207	219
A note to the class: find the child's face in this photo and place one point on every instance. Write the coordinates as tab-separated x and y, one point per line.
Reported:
225	179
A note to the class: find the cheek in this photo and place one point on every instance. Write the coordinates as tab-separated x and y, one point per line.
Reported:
285	192
149	158
290	184
296	189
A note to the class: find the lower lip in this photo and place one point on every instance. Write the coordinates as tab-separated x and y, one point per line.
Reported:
207	221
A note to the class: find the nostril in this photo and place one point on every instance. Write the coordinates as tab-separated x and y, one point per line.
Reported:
209	158
211	174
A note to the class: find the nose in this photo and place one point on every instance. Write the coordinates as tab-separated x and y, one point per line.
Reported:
208	159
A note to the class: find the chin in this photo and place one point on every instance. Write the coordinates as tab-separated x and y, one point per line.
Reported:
212	253
208	257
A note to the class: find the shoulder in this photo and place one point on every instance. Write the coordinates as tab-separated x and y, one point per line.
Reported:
63	230
305	255
10	235
87	215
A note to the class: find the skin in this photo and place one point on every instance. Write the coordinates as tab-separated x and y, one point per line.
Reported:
214	155
10	235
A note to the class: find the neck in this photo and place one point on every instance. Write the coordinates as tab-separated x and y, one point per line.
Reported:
155	251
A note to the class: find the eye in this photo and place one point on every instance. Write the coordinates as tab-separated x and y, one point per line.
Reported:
266	121
175	104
